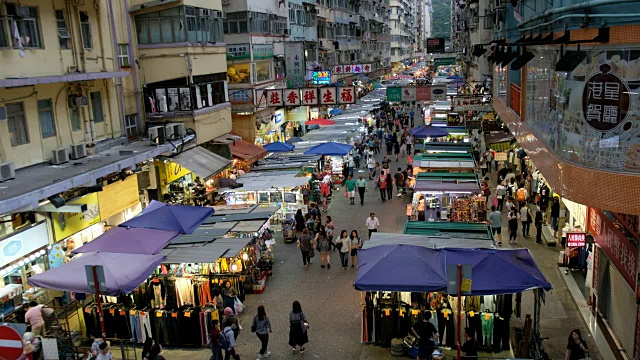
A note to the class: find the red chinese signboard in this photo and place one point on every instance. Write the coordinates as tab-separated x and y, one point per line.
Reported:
309	96
327	96
291	97
620	250
576	239
274	98
346	95
605	100
338	69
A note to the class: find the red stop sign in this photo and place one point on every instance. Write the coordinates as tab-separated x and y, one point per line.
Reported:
11	346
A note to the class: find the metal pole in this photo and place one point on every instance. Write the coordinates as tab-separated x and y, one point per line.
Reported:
99	302
459	314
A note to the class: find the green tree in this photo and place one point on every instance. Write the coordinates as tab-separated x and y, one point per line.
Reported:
441	19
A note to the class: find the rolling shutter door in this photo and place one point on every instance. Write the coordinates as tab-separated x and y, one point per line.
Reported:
622	308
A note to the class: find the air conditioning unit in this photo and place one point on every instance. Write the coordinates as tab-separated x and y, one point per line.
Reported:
78	101
156	134
204	12
3	113
177	129
78	151
168	131
59	156
7	171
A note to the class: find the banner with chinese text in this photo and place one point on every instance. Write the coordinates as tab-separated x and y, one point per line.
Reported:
352	69
417	93
471	103
311	96
294	64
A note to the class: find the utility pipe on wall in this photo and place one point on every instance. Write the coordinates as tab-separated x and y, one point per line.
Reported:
116	60
134	72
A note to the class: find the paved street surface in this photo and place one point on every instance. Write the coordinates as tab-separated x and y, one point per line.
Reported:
333	306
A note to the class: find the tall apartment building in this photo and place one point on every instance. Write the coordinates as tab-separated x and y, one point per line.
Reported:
422	28
473	23
402	24
178	63
565	83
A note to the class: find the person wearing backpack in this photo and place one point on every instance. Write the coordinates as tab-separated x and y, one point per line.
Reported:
228	341
262	327
521	196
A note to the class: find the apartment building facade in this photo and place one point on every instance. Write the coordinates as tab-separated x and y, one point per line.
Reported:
564	78
403	26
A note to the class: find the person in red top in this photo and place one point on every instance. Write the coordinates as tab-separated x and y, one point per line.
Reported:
214	345
382	186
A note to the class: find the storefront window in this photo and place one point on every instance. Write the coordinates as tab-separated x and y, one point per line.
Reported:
569	111
263	71
239	73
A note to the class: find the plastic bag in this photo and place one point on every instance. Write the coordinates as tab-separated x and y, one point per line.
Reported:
238	305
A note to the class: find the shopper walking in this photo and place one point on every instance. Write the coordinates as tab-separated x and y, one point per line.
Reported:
538	223
513	226
381	183
371	166
350	188
298	325
229	296
372	223
501	192
361	185
555	214
399	179
495	220
262	327
324	247
576	347
300	222
214	344
356	244
306	246
230	350
344	245
525	219
329	227
389	182
235	325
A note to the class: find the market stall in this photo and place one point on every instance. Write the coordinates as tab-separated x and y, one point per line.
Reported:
443	147
274	188
451	230
446	162
334	161
288	161
432	238
403	283
447	196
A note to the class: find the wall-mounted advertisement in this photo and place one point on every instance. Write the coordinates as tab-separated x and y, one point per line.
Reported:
417	93
590	116
321	77
295	64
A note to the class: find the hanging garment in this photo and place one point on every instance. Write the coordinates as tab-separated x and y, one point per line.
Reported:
184	292
487	328
489	303
474	323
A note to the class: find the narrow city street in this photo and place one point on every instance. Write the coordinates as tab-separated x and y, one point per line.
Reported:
333	306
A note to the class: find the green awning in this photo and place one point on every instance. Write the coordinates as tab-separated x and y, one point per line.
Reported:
446	176
444	157
449	229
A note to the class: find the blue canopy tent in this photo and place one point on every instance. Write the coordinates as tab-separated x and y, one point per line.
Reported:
330	148
130	241
428	131
279	147
493	271
400	268
181	218
122	272
154	204
335	111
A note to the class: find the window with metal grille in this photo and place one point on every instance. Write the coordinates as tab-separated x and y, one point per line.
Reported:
85	28
47	122
236	23
64	37
23	20
18	130
123	55
130	126
74	117
96	107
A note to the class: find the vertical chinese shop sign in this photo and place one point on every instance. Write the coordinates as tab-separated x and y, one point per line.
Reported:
295	64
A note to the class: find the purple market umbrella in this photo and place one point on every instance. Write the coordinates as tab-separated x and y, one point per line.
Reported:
122	272
129	241
182	218
428	131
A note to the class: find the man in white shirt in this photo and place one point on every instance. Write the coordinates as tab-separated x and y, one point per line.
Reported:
372	223
104	353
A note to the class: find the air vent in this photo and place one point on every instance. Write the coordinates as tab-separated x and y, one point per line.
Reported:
7	171
78	151
59	156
